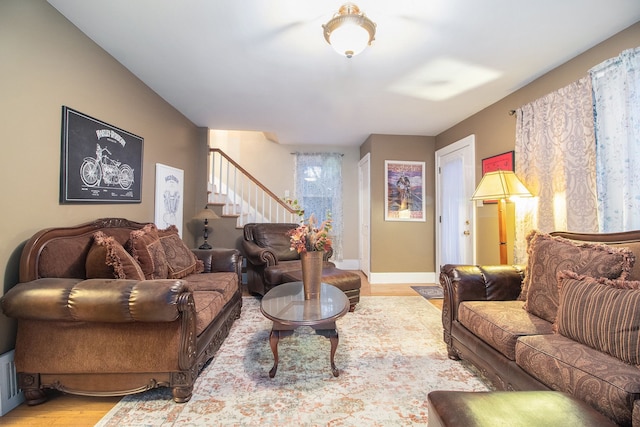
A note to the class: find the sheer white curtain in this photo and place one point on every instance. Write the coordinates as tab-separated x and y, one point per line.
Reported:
318	189
616	91
452	181
555	158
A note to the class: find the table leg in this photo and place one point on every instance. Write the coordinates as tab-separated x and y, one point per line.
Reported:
274	337
333	338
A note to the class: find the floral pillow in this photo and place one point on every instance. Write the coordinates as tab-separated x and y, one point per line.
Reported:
601	313
180	260
550	255
107	259
148	251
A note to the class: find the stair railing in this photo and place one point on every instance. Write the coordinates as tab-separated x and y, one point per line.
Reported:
242	195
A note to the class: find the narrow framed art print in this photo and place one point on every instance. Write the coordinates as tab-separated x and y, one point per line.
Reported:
100	163
404	191
169	196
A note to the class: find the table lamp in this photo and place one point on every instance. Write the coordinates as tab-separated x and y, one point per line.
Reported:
501	185
205	215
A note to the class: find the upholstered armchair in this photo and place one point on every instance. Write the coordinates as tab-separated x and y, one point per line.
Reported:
268	252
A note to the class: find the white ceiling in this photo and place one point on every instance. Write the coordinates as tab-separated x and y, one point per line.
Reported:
263	65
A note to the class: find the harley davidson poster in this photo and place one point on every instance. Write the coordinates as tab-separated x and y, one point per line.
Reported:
100	163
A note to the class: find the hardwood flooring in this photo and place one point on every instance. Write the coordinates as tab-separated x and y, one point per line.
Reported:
67	410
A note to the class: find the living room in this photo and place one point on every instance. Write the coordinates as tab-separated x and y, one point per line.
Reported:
48	63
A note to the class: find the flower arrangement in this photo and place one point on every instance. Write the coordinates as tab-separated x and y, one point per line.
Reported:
310	236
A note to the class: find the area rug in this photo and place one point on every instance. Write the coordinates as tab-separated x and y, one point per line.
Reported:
429	292
390	356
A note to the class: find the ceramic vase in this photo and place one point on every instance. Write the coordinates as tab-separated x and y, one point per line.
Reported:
312	273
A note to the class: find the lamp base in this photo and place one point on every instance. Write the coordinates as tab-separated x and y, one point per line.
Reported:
205	245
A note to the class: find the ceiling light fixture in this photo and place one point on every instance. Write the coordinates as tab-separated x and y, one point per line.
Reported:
349	32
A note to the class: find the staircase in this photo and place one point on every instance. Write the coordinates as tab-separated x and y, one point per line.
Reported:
239	198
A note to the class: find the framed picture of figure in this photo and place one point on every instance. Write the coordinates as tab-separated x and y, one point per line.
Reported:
169	197
404	191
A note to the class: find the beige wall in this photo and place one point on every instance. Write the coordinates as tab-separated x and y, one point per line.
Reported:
273	165
398	246
47	63
495	129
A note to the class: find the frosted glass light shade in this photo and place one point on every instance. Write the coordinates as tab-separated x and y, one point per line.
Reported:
349	31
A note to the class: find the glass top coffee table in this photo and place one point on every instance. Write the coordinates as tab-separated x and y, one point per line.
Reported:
286	307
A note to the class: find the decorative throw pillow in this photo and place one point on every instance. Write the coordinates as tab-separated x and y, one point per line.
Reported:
549	255
148	251
107	259
601	313
180	260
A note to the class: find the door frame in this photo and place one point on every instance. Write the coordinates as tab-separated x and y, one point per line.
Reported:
364	214
470	176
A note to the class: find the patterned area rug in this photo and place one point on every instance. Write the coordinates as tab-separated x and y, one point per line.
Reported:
429	292
390	356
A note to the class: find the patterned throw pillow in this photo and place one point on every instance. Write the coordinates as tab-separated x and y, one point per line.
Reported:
180	260
148	251
601	313
107	259
549	255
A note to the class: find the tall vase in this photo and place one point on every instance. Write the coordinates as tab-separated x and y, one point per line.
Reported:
312	273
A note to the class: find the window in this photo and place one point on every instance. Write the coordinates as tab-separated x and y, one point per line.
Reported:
318	189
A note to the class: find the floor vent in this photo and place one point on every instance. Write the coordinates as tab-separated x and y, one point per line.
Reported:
10	394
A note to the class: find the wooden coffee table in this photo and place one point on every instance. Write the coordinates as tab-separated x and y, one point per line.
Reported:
286	307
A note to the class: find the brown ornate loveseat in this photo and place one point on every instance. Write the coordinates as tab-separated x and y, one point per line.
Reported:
551	338
95	320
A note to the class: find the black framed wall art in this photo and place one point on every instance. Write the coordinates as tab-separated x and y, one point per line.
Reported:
100	163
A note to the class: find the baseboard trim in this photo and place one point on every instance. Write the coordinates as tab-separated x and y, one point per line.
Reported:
347	264
402	278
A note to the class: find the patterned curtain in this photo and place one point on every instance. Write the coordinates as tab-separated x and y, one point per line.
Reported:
555	158
318	189
616	91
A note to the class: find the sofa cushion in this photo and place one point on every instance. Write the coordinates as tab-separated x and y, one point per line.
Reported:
107	259
603	314
275	237
224	283
207	305
148	251
634	273
604	382
549	255
501	323
181	262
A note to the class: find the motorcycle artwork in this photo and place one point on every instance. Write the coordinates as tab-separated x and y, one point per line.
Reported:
104	170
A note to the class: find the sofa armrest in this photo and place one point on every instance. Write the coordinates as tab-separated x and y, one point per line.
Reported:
98	300
257	255
479	283
220	259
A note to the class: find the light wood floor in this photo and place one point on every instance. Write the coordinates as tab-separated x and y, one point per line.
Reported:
67	410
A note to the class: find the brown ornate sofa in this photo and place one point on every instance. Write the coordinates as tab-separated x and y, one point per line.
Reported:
267	250
95	320
501	319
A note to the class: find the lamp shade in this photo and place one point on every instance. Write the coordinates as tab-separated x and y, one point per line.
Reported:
349	32
207	214
500	185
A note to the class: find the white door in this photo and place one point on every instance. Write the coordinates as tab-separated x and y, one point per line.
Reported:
364	171
455	213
